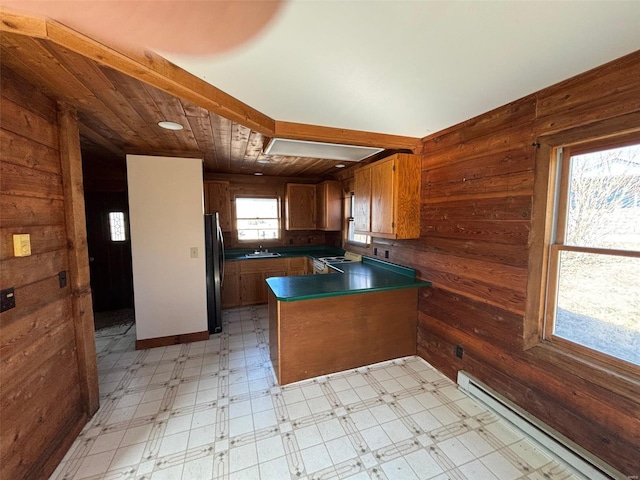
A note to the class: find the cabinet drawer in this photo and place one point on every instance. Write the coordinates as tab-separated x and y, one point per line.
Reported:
262	265
297	263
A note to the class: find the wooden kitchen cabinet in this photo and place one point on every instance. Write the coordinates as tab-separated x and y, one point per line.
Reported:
300	202
218	199
382	199
297	266
329	206
244	280
253	273
362	200
387	197
252	288
230	290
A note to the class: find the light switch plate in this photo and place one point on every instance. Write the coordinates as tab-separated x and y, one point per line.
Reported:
194	252
22	245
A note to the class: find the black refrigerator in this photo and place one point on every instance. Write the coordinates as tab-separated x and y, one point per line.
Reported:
214	259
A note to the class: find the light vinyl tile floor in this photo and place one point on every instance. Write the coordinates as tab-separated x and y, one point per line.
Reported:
212	410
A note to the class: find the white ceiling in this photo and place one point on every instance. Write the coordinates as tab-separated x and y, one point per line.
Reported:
414	67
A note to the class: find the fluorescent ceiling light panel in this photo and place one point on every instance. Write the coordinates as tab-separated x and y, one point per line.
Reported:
328	151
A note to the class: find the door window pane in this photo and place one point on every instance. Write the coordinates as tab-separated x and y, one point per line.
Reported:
117	230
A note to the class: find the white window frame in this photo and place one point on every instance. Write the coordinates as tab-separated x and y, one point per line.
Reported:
279	219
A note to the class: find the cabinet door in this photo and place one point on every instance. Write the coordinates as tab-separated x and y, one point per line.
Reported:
382	198
362	214
329	206
252	288
301	206
297	266
321	206
217	199
230	291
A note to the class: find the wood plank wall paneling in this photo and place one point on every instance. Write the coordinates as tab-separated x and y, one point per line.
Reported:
476	216
40	400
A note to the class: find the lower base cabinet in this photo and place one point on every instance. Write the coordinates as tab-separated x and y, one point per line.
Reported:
244	280
230	290
251	289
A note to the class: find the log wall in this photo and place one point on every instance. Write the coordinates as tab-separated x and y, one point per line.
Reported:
476	219
43	394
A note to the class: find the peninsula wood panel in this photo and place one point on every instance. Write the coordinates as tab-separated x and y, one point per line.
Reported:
476	213
361	329
42	409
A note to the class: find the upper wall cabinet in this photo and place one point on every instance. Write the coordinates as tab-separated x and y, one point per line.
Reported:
329	206
300	206
387	197
362	208
217	199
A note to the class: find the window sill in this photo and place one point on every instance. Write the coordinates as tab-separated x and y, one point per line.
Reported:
274	242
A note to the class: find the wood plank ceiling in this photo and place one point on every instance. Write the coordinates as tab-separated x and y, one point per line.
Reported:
118	115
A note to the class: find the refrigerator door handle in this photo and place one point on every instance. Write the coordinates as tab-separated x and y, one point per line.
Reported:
221	254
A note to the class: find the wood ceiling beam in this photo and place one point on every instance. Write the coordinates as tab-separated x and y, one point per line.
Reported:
145	66
158	72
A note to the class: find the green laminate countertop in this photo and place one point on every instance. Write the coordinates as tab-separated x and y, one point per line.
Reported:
350	278
286	252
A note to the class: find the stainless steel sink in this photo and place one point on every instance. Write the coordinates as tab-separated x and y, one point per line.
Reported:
262	254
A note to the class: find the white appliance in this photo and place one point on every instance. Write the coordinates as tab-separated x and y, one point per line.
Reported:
321	264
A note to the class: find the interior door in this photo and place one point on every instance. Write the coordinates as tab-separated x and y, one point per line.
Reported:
109	255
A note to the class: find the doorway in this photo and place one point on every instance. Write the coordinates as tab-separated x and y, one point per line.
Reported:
109	246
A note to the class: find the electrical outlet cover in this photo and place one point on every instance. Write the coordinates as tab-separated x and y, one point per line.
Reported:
7	299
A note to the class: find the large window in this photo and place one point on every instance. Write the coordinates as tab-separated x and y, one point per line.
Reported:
257	218
352	236
593	274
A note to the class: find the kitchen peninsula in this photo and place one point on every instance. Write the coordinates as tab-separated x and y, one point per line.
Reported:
364	313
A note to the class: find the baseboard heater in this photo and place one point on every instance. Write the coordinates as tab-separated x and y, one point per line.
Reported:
554	442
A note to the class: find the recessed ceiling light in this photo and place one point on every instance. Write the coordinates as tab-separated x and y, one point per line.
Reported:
170	125
258	173
340	165
263	161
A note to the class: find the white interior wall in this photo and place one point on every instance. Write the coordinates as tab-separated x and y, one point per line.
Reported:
166	221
